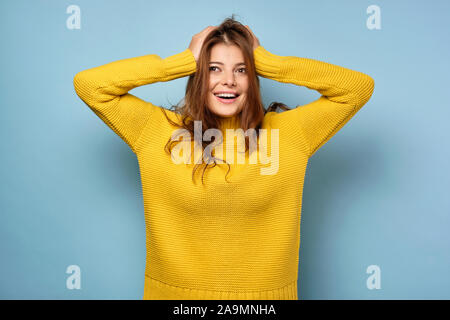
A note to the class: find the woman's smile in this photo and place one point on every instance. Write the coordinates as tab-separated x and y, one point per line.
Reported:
226	100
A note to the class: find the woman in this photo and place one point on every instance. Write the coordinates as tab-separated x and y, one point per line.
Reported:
236	235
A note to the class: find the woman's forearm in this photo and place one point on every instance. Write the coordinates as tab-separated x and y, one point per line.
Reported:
343	93
104	83
337	83
105	90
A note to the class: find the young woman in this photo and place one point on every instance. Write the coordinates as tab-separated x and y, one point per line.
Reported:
235	235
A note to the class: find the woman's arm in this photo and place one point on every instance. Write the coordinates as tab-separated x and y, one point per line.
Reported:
343	93
105	89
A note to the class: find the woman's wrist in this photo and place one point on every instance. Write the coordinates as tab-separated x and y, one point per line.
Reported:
180	64
267	64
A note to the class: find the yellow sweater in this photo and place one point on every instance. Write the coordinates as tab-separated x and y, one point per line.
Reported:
236	240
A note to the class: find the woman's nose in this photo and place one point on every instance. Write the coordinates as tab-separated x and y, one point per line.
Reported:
229	78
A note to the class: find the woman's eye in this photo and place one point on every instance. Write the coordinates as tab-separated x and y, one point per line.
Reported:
241	70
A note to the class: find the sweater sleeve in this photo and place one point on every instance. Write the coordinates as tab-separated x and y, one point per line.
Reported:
343	93
105	90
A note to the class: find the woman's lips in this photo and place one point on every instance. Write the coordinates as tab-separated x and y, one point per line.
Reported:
226	101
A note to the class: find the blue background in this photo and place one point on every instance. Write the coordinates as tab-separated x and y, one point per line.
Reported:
375	194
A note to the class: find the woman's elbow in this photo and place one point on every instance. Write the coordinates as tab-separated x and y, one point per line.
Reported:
367	88
83	86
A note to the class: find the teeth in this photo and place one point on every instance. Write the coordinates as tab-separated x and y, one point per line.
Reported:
226	95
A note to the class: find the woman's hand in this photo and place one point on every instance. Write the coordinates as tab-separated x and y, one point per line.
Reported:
256	43
197	41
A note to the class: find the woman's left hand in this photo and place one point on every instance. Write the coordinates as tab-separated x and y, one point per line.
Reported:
256	43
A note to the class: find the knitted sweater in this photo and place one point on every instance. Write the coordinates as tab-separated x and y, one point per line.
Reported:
223	240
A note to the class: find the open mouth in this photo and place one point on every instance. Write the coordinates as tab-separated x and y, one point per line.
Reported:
227	99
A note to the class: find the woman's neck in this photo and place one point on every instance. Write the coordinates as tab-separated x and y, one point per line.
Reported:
230	123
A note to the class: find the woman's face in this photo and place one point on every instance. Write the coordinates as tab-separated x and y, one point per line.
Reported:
227	73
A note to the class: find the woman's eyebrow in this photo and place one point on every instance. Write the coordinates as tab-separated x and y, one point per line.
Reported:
237	64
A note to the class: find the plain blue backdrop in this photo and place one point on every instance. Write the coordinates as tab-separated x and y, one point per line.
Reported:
375	194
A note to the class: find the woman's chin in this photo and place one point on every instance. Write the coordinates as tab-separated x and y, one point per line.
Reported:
226	113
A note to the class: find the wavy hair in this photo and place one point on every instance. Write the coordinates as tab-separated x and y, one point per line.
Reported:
194	107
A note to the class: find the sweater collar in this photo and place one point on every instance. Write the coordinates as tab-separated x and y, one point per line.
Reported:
230	123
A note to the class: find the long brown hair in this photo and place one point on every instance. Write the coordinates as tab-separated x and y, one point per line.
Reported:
194	108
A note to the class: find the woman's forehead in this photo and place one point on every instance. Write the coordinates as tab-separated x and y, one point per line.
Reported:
222	53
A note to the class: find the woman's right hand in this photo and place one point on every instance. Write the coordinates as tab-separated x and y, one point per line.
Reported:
197	41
